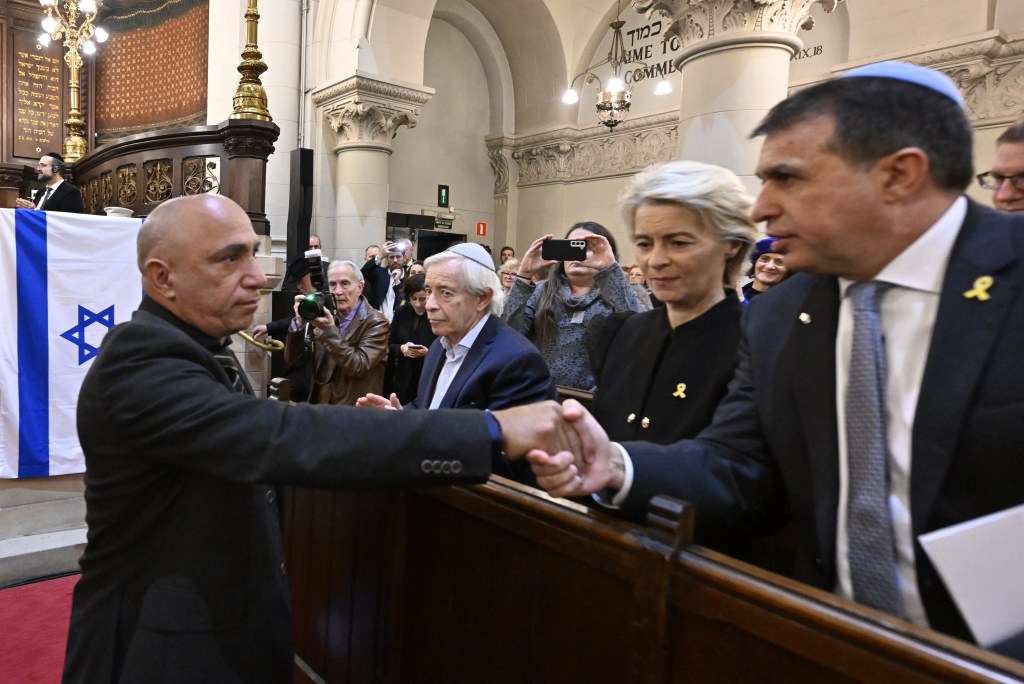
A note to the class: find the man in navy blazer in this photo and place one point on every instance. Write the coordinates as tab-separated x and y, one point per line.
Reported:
477	361
862	181
59	194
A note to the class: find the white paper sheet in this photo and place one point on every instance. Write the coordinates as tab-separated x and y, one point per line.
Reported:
981	561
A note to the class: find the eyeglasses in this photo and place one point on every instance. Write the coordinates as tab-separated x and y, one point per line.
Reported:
993	181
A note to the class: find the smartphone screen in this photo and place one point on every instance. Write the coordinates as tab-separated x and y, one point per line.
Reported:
564	250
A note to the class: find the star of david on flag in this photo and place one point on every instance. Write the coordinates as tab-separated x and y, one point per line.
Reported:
77	334
68	279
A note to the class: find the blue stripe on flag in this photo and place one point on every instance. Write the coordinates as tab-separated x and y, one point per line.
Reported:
33	344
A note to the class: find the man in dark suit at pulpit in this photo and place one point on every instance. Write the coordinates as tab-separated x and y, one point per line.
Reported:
59	194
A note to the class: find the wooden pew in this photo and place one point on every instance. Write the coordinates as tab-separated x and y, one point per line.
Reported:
498	583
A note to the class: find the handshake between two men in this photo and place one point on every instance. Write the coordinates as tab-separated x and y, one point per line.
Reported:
569	452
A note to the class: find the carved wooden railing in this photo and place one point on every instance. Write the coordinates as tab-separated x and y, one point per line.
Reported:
140	171
493	583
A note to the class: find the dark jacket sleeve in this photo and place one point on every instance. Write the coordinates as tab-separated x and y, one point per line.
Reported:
376	281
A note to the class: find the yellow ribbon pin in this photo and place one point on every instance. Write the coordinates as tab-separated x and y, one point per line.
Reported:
980	289
680	391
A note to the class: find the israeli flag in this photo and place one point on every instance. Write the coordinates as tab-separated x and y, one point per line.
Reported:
67	279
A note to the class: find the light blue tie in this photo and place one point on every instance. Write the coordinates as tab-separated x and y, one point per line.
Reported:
869	528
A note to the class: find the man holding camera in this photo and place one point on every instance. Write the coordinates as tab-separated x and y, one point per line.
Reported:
59	194
348	345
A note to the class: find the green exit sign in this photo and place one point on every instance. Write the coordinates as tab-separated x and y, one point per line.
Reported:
443	196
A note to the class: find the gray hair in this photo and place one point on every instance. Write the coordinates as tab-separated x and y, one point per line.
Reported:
477	279
715	194
356	273
510	266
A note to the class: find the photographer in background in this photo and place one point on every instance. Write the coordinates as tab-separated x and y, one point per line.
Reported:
376	273
59	194
349	346
296	279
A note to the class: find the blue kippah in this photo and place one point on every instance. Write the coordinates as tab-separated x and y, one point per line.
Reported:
911	73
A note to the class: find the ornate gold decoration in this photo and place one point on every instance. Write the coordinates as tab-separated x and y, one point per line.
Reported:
250	101
94	195
127	185
159	179
199	176
63	20
106	189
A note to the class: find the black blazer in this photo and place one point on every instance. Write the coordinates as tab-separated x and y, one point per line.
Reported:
65	198
183	575
771	451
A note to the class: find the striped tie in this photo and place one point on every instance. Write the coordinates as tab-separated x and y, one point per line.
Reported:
239	380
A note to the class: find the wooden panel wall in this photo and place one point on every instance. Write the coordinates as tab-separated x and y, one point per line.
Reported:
492	584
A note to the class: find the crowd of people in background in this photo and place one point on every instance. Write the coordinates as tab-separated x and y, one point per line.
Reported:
678	302
882	332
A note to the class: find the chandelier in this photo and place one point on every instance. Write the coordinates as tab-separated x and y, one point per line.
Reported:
72	20
614	96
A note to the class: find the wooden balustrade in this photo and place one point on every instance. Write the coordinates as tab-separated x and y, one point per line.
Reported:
138	172
496	583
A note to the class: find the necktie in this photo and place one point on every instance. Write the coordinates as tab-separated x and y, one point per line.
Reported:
869	528
46	197
239	380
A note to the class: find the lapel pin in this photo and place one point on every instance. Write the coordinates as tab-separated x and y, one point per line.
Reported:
980	289
680	392
804	318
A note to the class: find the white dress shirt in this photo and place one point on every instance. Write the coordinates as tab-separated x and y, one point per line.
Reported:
454	357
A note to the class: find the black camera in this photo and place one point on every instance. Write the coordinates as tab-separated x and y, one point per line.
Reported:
315	303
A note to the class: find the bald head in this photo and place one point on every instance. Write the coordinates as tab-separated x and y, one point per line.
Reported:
182	220
197	256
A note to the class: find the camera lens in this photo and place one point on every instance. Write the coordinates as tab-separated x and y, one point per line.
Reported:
311	307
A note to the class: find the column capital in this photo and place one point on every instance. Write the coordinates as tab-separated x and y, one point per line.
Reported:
705	25
367	113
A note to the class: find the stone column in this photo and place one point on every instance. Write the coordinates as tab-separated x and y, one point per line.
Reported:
735	67
365	115
499	152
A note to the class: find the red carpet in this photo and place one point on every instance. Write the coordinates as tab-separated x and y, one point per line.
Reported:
35	618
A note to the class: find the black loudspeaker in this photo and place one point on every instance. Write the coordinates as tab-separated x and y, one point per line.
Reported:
419	222
300	201
430	242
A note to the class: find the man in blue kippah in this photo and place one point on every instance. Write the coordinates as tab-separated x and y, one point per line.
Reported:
879	393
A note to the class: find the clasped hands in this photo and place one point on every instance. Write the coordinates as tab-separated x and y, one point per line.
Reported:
568	451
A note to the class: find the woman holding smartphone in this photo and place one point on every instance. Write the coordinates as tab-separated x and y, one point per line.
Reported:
409	339
558	313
